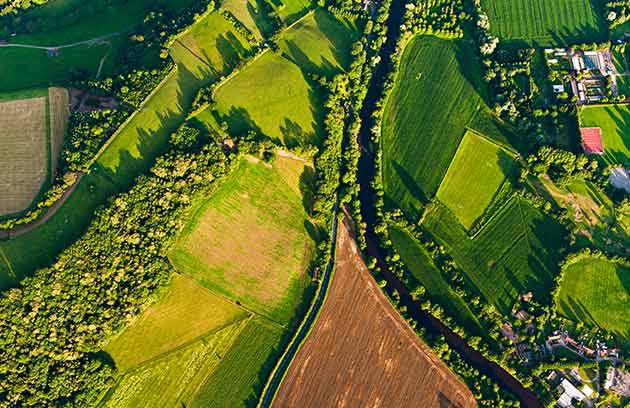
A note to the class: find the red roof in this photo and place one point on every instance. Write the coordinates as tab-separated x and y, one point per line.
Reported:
592	140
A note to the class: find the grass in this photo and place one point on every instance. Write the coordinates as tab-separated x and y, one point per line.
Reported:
272	97
614	121
251	13
186	313
173	380
240	378
290	10
24	149
320	43
548	22
476	159
517	251
425	118
249	241
595	291
130	152
417	260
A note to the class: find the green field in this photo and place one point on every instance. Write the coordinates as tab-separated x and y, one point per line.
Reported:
241	376
251	14
290	10
186	313
130	152
319	43
173	380
249	240
272	97
614	121
482	161
595	291
514	253
416	259
546	22
425	118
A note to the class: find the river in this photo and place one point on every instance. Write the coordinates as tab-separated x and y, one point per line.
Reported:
366	194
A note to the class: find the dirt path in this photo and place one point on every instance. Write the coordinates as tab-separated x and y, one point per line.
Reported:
103	39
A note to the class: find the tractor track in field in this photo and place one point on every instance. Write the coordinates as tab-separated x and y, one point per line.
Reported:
103	39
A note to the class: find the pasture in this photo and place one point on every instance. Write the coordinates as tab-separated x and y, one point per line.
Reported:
614	121
595	292
272	97
173	380
419	263
548	22
241	375
289	10
319	43
251	13
249	241
480	160
185	313
515	252
380	359
433	100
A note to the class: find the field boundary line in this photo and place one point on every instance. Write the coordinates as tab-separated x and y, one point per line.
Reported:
7	262
124	125
489	140
498	212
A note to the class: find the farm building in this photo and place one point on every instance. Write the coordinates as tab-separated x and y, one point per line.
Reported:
592	140
570	393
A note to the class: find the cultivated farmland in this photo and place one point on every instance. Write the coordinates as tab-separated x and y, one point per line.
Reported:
614	121
548	22
596	292
476	159
249	241
515	252
384	362
425	118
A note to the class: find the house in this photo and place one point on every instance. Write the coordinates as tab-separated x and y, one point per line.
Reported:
568	393
558	88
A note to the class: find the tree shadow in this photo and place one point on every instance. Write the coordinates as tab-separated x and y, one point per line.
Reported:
409	182
307	186
295	54
621	118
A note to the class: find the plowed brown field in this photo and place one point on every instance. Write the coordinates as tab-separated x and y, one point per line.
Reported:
362	353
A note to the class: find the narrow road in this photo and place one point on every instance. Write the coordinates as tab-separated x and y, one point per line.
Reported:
92	41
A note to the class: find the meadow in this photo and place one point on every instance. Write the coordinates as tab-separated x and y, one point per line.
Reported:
614	121
548	22
249	241
515	252
418	262
595	292
252	14
476	159
433	100
289	10
241	375
185	313
272	97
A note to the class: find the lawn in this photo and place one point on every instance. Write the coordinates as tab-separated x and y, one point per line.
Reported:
546	22
319	43
272	97
515	252
185	313
484	162
239	379
130	152
614	121
251	13
595	291
425	118
173	380
24	149
417	260
249	241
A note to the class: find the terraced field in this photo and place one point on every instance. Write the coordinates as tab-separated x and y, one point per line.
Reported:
545	22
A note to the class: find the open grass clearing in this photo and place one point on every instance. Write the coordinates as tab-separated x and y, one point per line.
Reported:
272	97
319	43
249	241
614	121
290	10
517	251
240	377
546	22
185	313
251	13
173	380
596	292
433	100
480	161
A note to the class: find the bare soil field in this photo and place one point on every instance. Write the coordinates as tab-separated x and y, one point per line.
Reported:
362	353
59	107
23	152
